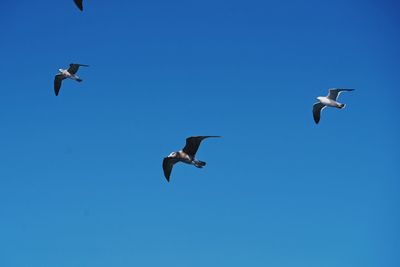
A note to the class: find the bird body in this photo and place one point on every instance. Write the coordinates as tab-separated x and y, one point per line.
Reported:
186	158
67	74
328	101
186	155
181	156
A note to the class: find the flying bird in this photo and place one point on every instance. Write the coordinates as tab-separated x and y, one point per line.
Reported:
186	155
328	101
64	74
79	4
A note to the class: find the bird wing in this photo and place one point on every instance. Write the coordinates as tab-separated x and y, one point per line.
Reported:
168	164
57	83
317	111
335	92
193	143
73	68
79	4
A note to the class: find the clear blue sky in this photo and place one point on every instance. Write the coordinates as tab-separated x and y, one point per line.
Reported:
81	182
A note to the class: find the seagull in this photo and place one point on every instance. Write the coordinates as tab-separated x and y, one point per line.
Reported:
64	74
186	155
329	100
79	4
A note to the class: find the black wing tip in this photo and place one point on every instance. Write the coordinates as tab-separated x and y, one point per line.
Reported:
204	136
316	119
316	113
78	64
166	175
57	85
342	89
79	4
56	91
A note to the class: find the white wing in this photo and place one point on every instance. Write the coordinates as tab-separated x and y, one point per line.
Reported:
335	92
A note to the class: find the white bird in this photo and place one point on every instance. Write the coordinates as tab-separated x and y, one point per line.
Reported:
79	4
186	155
328	101
70	73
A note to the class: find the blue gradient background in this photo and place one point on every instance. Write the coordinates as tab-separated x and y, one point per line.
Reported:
81	182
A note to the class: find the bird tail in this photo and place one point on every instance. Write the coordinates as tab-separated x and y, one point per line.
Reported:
79	80
341	106
199	164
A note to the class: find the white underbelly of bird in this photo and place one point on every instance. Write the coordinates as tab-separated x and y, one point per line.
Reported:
329	102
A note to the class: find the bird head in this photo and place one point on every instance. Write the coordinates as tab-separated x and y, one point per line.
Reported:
60	70
172	155
319	98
